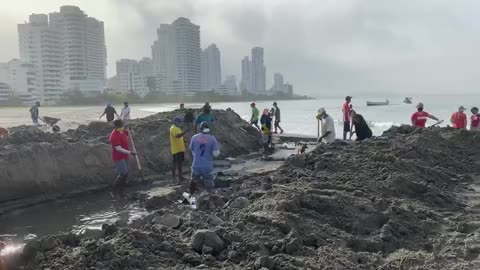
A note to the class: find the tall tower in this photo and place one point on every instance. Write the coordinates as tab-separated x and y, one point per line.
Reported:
246	81
211	68
258	70
84	51
41	46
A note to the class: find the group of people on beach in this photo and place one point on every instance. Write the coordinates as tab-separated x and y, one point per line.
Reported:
353	123
202	145
265	120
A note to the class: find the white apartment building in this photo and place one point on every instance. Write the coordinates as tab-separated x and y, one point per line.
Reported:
133	75
177	57
84	51
258	70
246	81
4	92
40	45
211	68
231	85
68	52
278	82
21	79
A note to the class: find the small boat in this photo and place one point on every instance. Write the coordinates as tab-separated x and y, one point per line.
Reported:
378	103
407	100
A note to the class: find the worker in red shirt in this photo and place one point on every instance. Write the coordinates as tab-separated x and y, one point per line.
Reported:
475	119
419	119
459	119
120	152
346	110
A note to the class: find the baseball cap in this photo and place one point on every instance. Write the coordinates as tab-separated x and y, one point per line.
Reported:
420	105
461	108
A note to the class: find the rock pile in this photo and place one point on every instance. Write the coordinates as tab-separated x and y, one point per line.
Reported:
392	202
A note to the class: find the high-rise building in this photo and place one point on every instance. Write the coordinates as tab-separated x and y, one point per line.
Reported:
258	70
68	52
41	46
84	51
231	84
211	68
246	81
21	79
133	75
277	82
177	57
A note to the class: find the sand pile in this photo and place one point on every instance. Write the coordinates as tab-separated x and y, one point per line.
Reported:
34	163
388	203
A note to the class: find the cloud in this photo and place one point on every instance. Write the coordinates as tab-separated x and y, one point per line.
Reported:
425	46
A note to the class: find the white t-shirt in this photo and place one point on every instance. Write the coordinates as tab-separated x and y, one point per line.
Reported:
125	114
328	125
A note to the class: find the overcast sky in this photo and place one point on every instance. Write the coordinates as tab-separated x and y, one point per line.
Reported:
327	46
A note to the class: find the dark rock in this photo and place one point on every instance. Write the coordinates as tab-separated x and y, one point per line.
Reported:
297	161
206	238
264	262
169	220
238	203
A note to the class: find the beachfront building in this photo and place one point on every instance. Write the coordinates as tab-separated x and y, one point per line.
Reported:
231	85
177	58
211	68
67	50
258	71
20	78
40	45
84	52
277	82
133	76
246	81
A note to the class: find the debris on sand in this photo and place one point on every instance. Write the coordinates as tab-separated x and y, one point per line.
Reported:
393	202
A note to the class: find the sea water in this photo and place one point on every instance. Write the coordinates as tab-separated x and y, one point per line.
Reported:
297	116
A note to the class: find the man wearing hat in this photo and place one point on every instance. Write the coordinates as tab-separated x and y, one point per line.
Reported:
346	110
177	146
125	113
328	126
204	147
419	119
459	118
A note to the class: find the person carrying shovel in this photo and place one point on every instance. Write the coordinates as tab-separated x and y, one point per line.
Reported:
120	152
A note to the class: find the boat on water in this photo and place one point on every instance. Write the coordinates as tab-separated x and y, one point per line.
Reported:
378	103
407	100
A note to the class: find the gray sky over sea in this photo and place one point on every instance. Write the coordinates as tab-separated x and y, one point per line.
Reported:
322	47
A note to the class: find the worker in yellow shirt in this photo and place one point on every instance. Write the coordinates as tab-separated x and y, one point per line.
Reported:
178	147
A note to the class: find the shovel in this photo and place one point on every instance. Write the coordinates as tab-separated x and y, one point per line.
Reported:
436	124
136	157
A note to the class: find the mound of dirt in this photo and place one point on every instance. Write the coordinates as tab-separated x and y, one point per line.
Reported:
386	203
36	163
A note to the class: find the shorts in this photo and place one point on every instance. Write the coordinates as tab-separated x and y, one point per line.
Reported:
121	167
346	126
179	157
35	122
204	178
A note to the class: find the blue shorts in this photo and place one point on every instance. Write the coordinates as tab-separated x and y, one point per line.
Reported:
204	178
121	167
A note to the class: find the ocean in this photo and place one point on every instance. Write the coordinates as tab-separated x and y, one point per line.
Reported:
298	116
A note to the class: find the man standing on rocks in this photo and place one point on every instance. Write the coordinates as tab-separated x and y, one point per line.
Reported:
328	126
204	147
205	116
266	124
419	119
34	113
177	146
110	112
459	119
255	115
475	119
120	152
125	113
346	110
277	118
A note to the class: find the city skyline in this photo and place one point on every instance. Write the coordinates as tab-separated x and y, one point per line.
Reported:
392	46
